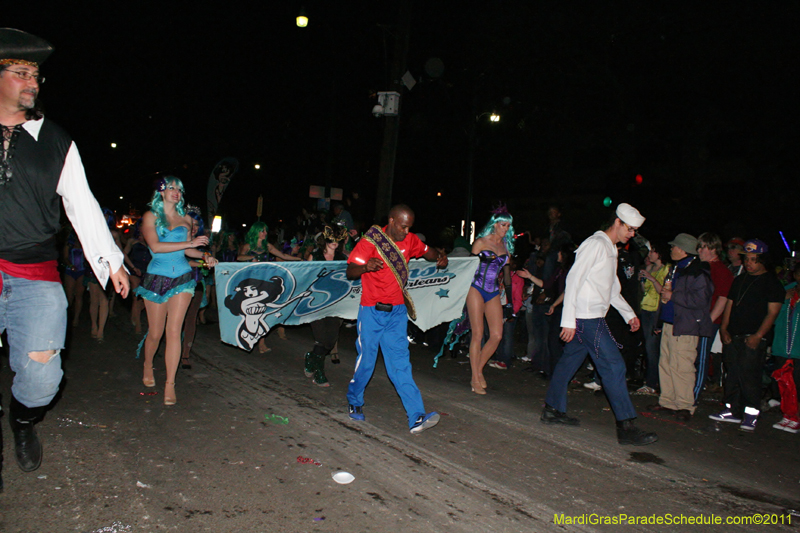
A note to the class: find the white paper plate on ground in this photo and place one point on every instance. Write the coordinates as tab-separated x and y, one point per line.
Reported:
343	478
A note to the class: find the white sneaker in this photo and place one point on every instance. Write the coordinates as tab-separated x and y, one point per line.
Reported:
774	403
593	385
526	359
788	425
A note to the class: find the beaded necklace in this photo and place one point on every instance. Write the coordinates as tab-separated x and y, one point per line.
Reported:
789	319
743	293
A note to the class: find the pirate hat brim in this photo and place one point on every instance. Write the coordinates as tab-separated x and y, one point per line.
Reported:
16	45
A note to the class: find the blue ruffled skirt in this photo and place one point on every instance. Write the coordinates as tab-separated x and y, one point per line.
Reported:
159	289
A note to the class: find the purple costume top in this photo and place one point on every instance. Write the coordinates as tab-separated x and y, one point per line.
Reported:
488	269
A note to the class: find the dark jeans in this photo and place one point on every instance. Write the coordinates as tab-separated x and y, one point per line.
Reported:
536	321
744	367
505	351
592	337
555	346
652	346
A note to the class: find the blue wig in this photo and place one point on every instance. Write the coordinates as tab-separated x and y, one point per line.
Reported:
500	215
197	217
157	203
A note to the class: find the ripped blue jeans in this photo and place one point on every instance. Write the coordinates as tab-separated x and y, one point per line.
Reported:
35	315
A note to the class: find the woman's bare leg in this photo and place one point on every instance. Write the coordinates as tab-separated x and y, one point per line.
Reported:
176	313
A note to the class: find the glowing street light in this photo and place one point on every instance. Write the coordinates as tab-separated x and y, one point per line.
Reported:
113	145
494	117
257	166
302	18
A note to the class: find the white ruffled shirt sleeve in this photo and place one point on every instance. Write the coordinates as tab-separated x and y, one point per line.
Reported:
87	218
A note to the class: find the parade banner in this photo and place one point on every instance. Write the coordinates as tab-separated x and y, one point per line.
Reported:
218	181
255	297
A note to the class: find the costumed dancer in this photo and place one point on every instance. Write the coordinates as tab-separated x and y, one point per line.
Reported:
257	249
493	246
325	330
74	271
137	256
199	298
98	299
168	286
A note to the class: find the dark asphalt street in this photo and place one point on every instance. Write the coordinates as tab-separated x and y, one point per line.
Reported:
233	454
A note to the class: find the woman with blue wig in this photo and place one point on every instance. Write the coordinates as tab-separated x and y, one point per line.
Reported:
169	285
494	245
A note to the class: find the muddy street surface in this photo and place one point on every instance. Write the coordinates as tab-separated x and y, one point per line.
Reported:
252	445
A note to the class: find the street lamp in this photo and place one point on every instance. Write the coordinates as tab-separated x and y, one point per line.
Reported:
473	142
302	18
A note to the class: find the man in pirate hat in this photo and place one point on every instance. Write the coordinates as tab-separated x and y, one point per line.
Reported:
39	163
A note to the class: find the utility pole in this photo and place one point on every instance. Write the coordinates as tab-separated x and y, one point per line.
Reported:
391	128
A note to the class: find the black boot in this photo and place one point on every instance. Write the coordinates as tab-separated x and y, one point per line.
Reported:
628	433
319	354
309	364
27	446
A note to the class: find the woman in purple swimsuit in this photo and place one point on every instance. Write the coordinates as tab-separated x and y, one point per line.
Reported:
493	246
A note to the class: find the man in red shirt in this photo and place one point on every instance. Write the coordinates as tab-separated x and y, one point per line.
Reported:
709	249
383	315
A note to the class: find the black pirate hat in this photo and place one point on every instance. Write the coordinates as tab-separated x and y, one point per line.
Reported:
20	48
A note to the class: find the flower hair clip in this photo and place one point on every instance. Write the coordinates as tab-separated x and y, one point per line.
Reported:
161	185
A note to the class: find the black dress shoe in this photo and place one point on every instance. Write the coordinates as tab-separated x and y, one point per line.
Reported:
684	415
553	416
628	433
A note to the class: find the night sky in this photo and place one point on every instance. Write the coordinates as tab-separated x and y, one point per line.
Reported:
698	98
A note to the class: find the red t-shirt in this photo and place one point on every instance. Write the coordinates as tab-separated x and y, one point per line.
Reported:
722	278
381	286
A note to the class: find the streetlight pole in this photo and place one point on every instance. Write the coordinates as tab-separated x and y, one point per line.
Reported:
392	125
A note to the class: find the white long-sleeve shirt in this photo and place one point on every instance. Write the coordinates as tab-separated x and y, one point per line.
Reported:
592	283
84	212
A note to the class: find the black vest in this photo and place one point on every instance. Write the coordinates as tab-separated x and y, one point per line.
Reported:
29	203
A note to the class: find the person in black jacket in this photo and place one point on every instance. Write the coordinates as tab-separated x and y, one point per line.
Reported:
686	317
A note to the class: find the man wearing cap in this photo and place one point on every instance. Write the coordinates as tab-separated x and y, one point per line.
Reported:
686	316
39	163
592	287
735	248
754	302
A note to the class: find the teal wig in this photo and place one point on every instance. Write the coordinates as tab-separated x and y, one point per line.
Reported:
157	203
500	214
252	234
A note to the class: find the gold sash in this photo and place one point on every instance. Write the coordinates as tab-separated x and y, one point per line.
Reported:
395	260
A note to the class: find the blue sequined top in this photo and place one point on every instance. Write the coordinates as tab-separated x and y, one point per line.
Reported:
170	264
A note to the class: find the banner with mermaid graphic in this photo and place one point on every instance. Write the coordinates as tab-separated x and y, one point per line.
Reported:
255	297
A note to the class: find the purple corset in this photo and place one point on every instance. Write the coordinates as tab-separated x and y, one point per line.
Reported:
488	270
